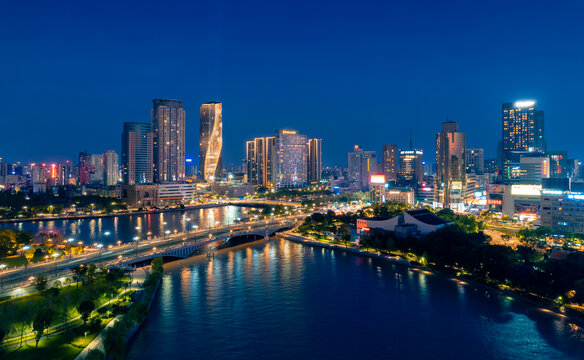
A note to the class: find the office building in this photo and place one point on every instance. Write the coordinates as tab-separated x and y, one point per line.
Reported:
450	165
83	168
110	168
411	168
523	130
559	164
291	159
168	140
361	165
314	160
211	141
390	162
96	170
562	210
259	161
475	161
137	152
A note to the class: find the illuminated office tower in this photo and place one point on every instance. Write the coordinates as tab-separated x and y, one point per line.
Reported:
390	162
314	160
559	164
96	171
475	161
260	161
361	164
137	153
84	167
291	159
522	128
110	168
211	141
450	165
168	140
411	167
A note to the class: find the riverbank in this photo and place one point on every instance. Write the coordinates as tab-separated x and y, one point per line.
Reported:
579	319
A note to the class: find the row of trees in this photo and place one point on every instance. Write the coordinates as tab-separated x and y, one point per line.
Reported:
454	249
12	240
115	338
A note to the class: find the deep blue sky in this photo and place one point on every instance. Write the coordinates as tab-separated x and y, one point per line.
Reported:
349	72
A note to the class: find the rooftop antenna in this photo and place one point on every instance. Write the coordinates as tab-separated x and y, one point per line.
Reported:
411	147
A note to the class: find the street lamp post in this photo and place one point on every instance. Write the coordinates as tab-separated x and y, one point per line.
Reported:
2	267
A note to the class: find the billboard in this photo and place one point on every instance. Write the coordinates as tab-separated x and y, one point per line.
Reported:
495	188
527	190
377	179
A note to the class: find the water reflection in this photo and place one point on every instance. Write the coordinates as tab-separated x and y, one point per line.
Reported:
125	228
281	300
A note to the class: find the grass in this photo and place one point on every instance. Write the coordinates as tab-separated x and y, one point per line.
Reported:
18	260
54	347
65	306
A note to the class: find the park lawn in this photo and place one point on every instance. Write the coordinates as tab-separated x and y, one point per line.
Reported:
19	260
65	303
55	347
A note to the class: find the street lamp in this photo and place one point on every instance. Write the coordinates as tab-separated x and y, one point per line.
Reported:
2	267
167	232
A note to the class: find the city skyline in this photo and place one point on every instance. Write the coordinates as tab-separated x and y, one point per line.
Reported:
409	94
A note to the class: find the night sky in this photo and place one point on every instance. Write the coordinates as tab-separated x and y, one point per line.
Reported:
350	72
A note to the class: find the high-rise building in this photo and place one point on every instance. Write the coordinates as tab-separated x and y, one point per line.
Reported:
168	140
411	168
314	160
559	164
522	128
390	161
96	171
450	164
291	159
361	165
110	168
137	161
211	141
475	161
84	167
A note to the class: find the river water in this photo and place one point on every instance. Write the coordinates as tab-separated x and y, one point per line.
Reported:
282	300
108	230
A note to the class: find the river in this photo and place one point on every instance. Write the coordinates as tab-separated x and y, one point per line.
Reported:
282	300
108	230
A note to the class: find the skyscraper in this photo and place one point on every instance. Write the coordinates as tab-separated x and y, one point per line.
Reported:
390	161
475	161
411	168
522	128
110	168
84	167
137	162
450	164
211	141
291	159
168	128
362	164
314	160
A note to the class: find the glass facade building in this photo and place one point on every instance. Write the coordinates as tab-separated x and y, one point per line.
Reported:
168	129
211	141
136	159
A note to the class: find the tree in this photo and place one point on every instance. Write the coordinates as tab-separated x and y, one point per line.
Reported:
85	308
79	273
345	234
41	282
95	354
41	322
114	340
158	265
29	254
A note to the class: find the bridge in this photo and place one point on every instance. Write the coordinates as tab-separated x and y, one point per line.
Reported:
187	249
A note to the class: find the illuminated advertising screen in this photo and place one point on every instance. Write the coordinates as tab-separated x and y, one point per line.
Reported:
377	179
527	190
495	188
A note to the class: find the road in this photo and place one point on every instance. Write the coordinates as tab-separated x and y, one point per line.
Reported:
14	281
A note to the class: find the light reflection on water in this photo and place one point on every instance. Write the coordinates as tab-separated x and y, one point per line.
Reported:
126	227
281	300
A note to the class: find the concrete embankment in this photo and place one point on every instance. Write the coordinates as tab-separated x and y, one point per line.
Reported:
307	241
